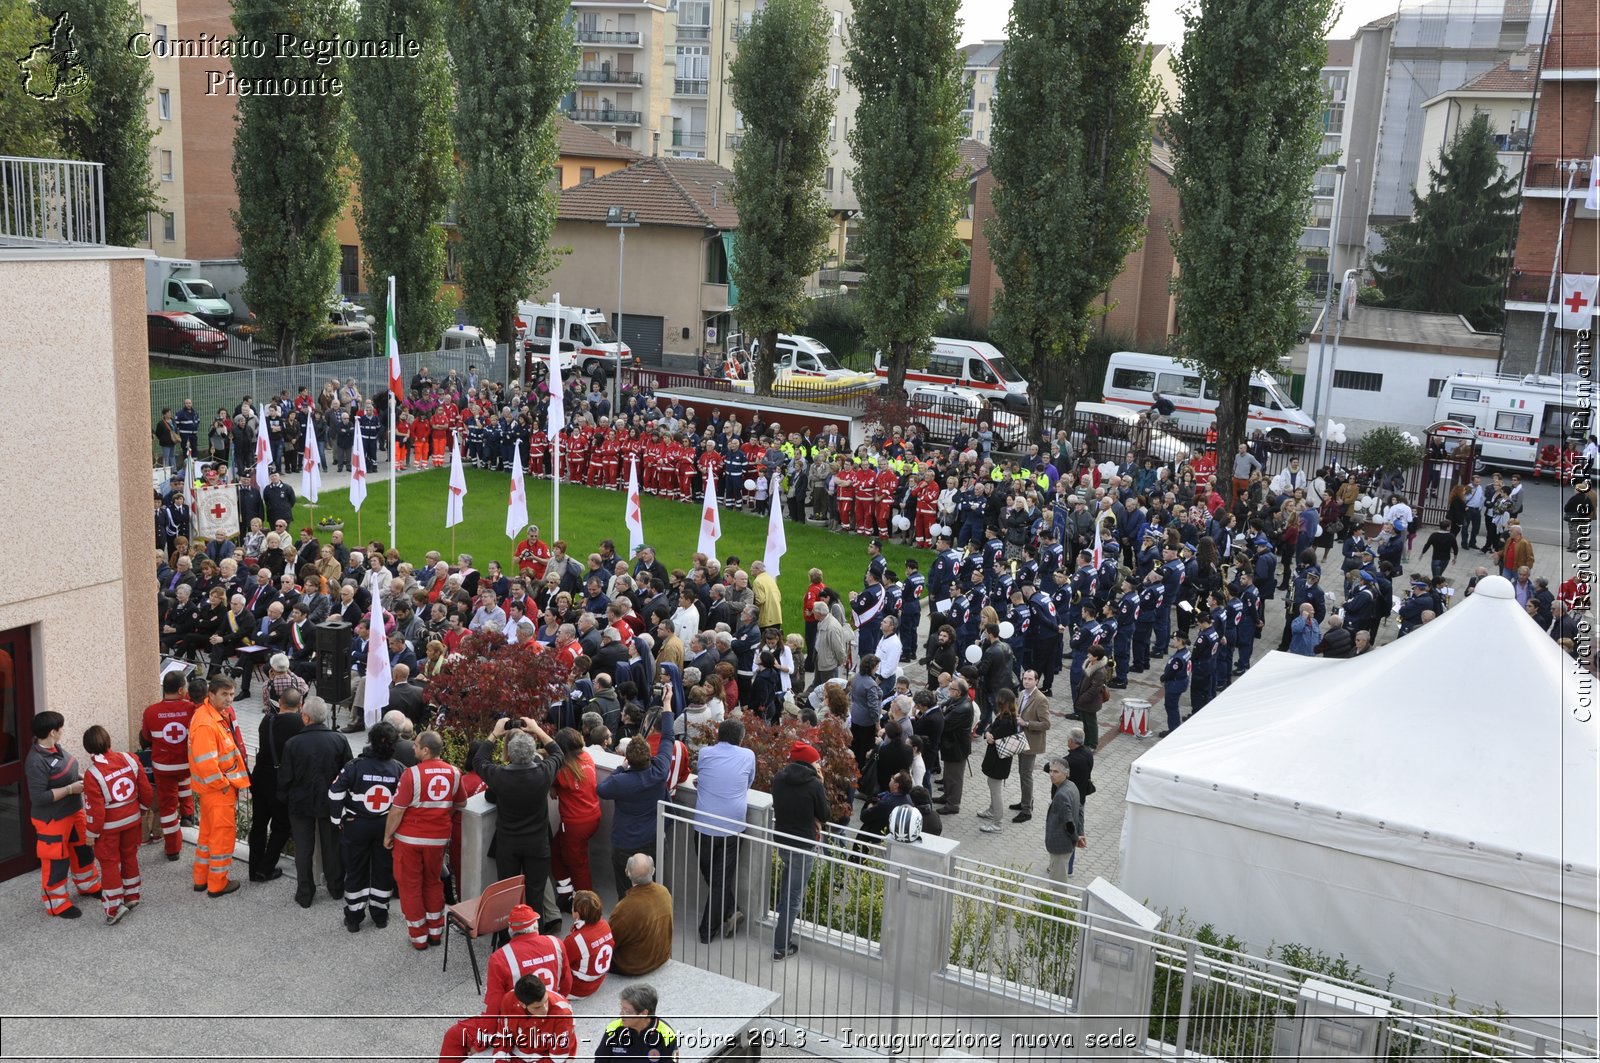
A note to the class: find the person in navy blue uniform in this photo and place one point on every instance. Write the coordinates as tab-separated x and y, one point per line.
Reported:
1109	630
1266	569
1174	681
1045	638
1204	656
1127	607
1051	555
971	502
1085	635
877	564
1083	586
1222	621
1252	617
370	425
994	555
1418	601
359	799
1019	614
913	588
475	440
1360	603
187	423
1105	578
1152	603
867	608
946	567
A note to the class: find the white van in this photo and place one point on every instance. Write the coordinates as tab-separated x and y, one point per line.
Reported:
802	361
1514	416
585	334
1131	379
466	339
968	364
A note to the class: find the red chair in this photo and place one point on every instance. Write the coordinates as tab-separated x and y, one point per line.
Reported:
487	913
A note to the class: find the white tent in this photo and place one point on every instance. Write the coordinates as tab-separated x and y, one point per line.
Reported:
1428	809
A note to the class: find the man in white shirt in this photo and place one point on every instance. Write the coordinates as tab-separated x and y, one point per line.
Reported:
889	648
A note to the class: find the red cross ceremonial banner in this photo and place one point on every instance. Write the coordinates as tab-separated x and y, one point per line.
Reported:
216	509
1577	300
710	524
632	515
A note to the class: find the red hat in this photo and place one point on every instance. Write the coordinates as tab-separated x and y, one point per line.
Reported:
523	919
805	753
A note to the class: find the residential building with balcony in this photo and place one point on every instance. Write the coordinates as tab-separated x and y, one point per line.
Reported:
1555	183
1506	94
619	88
981	67
1317	240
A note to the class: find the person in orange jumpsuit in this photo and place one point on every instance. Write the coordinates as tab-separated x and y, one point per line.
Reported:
531	1024
218	773
116	793
439	446
165	726
55	790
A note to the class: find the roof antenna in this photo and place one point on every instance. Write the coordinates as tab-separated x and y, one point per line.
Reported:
715	185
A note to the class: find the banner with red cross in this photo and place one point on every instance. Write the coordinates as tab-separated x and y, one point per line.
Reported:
216	509
1577	300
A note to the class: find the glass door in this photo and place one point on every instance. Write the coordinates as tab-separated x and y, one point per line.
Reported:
16	738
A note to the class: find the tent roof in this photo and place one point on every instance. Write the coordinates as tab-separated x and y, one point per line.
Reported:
1463	748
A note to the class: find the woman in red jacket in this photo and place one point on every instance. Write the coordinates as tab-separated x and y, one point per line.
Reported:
116	793
580	818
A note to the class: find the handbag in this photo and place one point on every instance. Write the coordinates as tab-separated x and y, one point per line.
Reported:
1009	746
1105	695
869	775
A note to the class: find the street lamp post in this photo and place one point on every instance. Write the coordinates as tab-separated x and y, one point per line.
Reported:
622	221
1333	362
1327	300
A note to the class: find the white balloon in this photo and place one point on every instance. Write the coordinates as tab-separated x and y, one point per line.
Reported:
974	655
1006	629
901	523
749	485
1108	468
938	529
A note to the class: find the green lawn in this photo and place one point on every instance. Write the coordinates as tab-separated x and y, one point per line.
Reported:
587	516
161	371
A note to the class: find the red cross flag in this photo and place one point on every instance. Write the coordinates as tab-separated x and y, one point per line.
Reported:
1592	200
1577	300
453	512
311	465
632	514
517	504
710	524
358	473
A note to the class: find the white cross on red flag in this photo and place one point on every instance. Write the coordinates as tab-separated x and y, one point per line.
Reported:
1577	300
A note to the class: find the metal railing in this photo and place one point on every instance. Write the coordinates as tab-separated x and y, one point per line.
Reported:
603	114
1553	171
47	202
734	141
657	379
683	139
588	36
591	75
739	30
687	32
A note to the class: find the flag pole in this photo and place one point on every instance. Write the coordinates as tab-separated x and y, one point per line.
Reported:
394	472
554	381
391	355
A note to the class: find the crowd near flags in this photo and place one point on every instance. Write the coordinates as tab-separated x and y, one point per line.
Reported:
358	473
710	522
378	674
517	504
311	465
453	513
632	514
263	451
777	538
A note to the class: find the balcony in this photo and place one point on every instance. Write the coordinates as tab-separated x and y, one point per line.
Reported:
602	116
688	141
734	141
589	75
1526	287
1546	176
740	29
50	202
690	87
615	38
693	33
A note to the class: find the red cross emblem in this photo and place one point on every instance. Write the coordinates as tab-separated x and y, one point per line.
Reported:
359	470
122	789
174	733
377	798
218	510
1575	303
456	490
633	507
516	490
308	457
710	516
438	787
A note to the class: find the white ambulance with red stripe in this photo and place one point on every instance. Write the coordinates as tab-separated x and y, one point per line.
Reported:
587	341
1132	379
1513	415
970	364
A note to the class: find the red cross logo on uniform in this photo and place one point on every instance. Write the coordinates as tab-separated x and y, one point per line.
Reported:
174	733
438	787
122	789
218	510
377	799
1575	303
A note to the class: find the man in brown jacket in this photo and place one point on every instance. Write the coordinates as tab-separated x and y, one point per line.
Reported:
1034	715
641	923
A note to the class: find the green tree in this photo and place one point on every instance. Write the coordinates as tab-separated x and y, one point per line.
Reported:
903	60
779	81
1071	147
291	168
401	136
506	97
113	127
1244	140
30	125
1453	255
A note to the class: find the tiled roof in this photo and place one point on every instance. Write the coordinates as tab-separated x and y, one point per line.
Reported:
691	193
983	56
579	140
1502	78
1340	54
974	156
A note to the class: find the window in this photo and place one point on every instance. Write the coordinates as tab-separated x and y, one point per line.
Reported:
838	23
827	179
833	76
983	79
1351	380
452	265
944	365
1520	423
585	174
174	290
561	178
833	126
1435	386
1462	418
169	226
694	19
166	165
625	138
164	105
1465	394
350	269
1178	385
982	106
1133	380
160	47
1259	397
693	63
981	373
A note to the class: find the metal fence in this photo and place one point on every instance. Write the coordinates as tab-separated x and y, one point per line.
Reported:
51	201
908	949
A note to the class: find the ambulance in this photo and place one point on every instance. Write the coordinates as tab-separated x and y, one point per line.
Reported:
1132	378
1514	415
587	342
970	364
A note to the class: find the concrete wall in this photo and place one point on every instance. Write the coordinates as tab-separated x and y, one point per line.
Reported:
77	528
1403	401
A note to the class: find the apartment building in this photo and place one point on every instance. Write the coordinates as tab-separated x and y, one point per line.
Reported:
620	85
981	66
165	231
1506	94
1318	240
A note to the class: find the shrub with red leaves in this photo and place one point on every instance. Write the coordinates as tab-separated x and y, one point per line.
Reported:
771	743
489	677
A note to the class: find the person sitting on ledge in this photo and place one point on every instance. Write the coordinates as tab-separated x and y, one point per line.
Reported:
641	923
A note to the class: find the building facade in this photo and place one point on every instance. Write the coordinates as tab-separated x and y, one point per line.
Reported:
1506	94
167	226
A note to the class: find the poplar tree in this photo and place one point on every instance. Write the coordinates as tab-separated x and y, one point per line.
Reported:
1453	255
1070	152
903	60
779	82
401	136
1245	139
513	61
290	166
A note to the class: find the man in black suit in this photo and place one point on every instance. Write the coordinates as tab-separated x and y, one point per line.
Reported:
408	697
262	595
612	658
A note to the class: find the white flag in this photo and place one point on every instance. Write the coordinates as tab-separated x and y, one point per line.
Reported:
311	465
379	677
1592	200
710	523
1577	300
777	538
632	514
358	473
517	504
190	474
263	452
453	514
558	411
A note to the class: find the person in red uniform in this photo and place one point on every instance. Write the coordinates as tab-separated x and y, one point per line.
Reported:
528	952
55	790
533	553
116	793
418	830
165	728
539	452
888	486
589	945
439	445
927	501
685	463
603	462
866	499
755	453
844	493
710	464
402	439
530	1024
574	788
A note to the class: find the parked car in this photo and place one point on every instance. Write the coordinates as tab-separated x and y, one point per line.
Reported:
944	411
1116	428
184	334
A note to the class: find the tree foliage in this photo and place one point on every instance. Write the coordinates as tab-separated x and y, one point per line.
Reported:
513	62
401	136
1071	146
779	83
113	128
290	165
772	742
30	126
489	676
1453	255
1245	138
903	61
